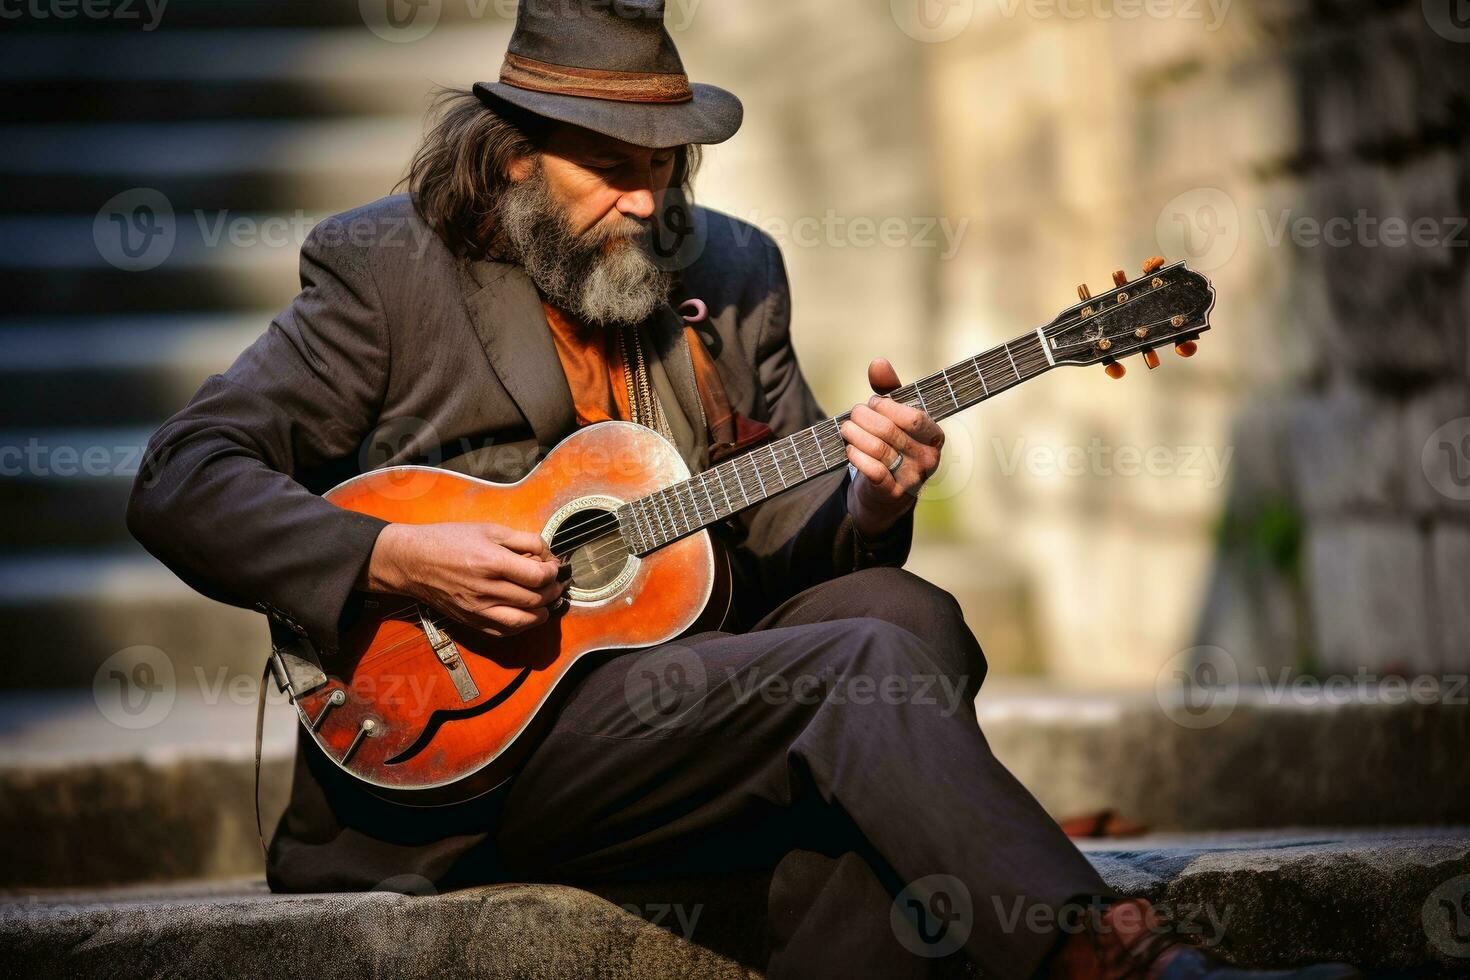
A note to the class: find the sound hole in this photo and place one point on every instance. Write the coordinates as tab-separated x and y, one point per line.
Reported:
597	550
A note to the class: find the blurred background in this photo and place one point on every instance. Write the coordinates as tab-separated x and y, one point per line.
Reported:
1172	573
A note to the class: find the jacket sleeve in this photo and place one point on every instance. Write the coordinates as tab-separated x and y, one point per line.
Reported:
217	499
805	536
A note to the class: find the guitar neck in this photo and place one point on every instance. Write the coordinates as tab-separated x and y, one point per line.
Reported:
683	508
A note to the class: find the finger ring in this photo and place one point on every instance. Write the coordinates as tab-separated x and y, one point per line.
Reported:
561	603
897	462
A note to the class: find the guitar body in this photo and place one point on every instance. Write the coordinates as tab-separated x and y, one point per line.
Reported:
434	712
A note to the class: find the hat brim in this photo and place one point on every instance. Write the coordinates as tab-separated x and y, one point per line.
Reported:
712	116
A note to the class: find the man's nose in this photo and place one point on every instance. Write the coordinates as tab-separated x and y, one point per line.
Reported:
637	204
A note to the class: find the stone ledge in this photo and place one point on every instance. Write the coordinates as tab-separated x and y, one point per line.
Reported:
174	800
1267	899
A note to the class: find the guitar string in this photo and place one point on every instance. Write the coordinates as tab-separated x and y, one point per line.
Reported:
766	461
939	383
681	500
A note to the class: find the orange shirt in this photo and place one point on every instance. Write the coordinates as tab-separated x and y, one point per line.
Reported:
592	359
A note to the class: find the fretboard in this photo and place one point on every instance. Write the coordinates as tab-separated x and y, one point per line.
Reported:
680	509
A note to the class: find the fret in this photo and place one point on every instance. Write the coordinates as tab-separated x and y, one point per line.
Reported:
673	522
684	493
688	503
1013	361
762	480
719	473
1026	347
639	531
945	375
981	375
776	464
735	468
919	391
817	445
657	522
714	512
818	442
797	453
782	469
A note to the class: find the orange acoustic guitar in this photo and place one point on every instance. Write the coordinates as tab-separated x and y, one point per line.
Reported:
425	711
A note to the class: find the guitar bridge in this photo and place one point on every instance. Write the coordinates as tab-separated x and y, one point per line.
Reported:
448	653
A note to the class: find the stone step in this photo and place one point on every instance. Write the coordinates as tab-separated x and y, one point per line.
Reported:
122	759
67	612
76	265
72	485
1381	900
231	74
208	170
132	371
261	73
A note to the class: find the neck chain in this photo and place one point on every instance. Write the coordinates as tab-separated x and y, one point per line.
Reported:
644	404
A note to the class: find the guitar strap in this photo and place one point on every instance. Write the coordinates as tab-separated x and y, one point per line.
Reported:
265	676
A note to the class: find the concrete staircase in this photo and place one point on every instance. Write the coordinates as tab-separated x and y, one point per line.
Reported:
251	119
1321	875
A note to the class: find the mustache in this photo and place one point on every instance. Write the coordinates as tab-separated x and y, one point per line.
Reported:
625	228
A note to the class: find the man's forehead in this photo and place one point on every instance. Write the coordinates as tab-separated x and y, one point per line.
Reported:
568	135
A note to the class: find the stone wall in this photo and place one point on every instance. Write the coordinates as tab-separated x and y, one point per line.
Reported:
1229	135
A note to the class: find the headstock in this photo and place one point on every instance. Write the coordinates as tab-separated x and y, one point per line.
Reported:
1166	305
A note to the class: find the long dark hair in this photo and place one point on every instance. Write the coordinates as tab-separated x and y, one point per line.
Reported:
463	165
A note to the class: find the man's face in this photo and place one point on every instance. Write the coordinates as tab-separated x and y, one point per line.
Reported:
578	218
602	181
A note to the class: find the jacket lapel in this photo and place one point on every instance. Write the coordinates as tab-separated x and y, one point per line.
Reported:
667	330
508	317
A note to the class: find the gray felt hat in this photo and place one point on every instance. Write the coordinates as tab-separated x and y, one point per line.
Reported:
610	66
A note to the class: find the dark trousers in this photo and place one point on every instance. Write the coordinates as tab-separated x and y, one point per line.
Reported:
835	742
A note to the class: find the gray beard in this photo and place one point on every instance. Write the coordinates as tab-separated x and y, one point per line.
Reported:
576	272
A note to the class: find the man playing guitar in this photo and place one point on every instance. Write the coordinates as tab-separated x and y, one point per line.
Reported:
526	287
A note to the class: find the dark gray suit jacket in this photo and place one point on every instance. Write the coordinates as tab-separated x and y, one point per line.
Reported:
397	352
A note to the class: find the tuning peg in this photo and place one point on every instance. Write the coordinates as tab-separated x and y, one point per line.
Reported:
1151	358
1186	348
1153	264
1120	278
1083	293
1115	370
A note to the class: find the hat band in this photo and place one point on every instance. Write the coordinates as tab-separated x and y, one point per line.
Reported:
595	83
